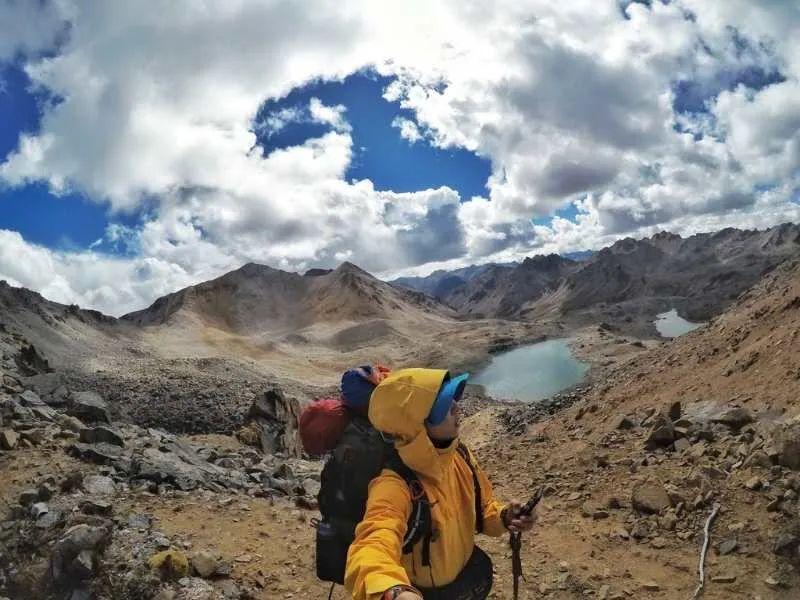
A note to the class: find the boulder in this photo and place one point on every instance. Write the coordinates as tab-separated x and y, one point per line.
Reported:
276	418
75	541
99	485
205	564
662	434
788	448
8	439
735	418
68	422
89	407
650	498
102	453
96	435
30	398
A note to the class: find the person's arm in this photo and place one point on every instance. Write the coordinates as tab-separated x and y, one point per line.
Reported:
374	559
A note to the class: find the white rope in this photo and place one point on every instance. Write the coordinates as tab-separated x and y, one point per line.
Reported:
701	568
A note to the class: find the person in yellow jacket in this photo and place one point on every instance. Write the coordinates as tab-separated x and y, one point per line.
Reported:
419	409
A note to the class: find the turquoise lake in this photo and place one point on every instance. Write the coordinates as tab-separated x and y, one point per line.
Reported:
533	372
670	324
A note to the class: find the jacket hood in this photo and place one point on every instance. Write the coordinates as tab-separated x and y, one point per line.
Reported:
399	406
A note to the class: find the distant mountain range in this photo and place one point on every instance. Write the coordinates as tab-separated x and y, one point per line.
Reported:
277	313
700	274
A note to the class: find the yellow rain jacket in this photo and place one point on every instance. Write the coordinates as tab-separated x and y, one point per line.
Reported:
399	407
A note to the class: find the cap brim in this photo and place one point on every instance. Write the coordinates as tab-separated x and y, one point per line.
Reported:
454	389
450	392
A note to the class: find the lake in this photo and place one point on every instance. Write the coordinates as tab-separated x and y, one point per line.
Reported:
533	372
670	325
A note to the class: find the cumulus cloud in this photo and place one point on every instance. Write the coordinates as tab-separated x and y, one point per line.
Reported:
574	104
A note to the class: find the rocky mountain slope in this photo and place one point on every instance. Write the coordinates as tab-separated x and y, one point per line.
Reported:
700	275
635	468
632	464
258	297
441	283
628	282
506	292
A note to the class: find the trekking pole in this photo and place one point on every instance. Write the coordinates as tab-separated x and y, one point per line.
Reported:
515	541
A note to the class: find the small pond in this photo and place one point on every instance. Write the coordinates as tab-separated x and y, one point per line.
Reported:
670	325
532	372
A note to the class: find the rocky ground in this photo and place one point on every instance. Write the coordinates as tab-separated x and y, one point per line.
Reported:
633	462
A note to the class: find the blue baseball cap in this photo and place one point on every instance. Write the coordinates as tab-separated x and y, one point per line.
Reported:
356	388
450	392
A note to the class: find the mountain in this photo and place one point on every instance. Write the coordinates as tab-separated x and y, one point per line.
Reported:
258	298
701	275
506	291
646	453
441	283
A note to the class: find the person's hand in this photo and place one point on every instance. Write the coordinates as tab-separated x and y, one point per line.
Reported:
515	522
409	596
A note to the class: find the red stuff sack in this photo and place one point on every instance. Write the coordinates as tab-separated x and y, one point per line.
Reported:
321	425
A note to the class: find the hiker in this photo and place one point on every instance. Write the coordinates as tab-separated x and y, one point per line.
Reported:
419	409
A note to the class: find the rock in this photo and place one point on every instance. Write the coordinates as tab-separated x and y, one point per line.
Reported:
38	509
50	519
46	491
68	422
28	497
728	546
82	566
625	423
650	498
650	586
787	542
8	439
102	453
140	521
171	564
99	485
311	487
658	542
735	418
662	434
674	411
96	435
205	564
681	444
76	540
754	483
96	507
788	450
30	398
89	406
726	578
276	418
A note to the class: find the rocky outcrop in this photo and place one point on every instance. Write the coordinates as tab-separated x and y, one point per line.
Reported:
275	419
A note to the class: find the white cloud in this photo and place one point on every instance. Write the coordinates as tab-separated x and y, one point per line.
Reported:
572	103
408	129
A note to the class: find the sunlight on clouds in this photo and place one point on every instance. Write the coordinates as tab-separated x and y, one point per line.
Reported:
572	103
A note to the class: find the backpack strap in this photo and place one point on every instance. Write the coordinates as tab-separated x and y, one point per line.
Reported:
420	524
465	454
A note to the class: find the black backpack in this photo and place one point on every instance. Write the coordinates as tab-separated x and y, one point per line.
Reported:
360	455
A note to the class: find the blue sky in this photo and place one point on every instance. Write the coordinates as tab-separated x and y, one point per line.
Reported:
72	221
620	118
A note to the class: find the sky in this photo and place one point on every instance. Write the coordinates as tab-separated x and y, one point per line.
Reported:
147	146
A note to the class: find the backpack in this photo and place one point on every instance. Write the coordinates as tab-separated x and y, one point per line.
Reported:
359	457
